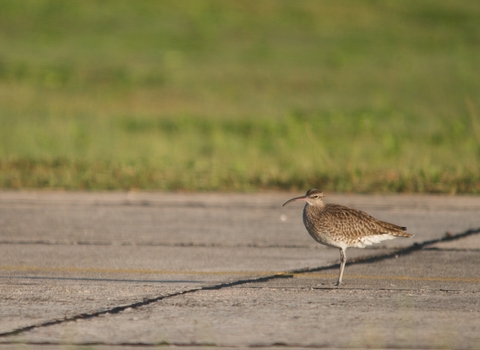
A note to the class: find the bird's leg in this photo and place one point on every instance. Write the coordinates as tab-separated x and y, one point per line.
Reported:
343	261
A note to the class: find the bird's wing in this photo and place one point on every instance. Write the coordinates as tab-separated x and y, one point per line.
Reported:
356	223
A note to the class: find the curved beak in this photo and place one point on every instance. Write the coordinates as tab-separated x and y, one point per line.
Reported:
301	198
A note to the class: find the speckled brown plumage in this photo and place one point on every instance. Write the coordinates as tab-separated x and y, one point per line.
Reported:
342	227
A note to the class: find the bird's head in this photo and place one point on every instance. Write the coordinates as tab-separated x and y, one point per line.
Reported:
312	197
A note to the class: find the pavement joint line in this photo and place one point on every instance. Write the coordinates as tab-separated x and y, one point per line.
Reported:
245	273
346	287
283	345
201	245
394	278
287	274
202	203
158	244
134	271
181	344
183	281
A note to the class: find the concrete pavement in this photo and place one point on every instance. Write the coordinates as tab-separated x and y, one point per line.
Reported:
136	270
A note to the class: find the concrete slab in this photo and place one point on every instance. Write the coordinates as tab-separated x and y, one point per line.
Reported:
294	317
130	270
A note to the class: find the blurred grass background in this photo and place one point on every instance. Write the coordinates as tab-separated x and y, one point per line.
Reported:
346	96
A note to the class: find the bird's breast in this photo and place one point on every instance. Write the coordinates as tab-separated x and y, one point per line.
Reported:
319	228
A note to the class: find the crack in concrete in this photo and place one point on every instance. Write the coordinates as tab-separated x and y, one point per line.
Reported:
452	249
287	274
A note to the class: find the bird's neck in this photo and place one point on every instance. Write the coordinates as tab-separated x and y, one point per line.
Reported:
313	209
317	205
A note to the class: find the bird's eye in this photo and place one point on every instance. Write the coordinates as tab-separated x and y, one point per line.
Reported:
316	196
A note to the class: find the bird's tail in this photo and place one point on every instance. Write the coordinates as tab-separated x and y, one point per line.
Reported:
396	230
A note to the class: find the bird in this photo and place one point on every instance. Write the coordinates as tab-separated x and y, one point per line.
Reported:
341	227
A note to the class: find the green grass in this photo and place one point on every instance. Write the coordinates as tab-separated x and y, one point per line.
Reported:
348	96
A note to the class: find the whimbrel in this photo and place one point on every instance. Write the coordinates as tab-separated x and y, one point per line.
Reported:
341	227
